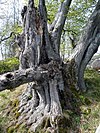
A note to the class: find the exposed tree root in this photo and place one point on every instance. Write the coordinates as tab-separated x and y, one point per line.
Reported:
42	104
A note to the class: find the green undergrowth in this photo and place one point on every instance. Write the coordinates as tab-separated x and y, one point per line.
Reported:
8	110
90	109
88	118
9	64
84	122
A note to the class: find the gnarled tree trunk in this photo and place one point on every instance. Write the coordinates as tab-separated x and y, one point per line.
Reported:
49	79
41	52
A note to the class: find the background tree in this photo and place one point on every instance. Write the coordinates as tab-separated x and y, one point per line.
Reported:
9	22
49	93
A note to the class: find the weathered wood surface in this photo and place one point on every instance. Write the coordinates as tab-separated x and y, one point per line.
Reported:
45	97
12	80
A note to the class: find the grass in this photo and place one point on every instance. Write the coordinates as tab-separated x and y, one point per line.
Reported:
90	106
90	117
6	98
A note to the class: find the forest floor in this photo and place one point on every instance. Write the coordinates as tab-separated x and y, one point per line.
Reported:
87	122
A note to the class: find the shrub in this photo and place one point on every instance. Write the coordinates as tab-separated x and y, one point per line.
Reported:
10	64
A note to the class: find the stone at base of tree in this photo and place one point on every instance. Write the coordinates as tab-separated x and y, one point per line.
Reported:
96	64
98	129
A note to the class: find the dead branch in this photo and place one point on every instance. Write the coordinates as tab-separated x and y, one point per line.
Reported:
3	39
14	79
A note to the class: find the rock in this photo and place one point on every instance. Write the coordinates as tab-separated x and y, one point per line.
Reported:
98	129
96	64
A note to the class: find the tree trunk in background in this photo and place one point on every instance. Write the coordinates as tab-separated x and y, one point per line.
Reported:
50	81
88	45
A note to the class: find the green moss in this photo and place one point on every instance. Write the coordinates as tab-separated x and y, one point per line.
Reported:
29	97
1	129
45	123
63	124
10	129
15	103
92	79
3	123
9	64
66	114
17	114
14	106
90	107
61	120
17	126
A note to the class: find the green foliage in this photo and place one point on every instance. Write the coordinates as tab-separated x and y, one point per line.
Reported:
9	64
52	7
17	29
78	16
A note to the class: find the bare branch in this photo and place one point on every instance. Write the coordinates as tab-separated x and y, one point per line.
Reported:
59	22
31	3
42	8
61	14
12	80
3	2
55	19
3	39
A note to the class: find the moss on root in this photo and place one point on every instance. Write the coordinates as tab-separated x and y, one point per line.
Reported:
10	129
15	103
61	124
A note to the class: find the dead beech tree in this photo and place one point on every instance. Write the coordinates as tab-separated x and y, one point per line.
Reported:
48	78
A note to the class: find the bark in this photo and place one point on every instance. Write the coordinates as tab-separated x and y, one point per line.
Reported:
11	80
50	81
58	24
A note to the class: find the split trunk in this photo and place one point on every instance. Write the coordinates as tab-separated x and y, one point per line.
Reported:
50	81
